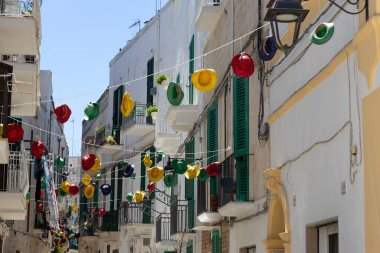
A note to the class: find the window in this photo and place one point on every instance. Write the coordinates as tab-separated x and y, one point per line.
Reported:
30	58
108	249
117	116
212	143
189	184
323	239
189	247
216	241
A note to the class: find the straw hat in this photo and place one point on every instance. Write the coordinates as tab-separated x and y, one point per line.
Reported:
268	49
203	176
242	65
192	172
65	186
128	170
96	166
86	179
180	167
127	105
155	174
204	80
91	111
14	133
63	113
175	94
38	149
147	161
88	161
89	191
322	33
169	180
138	196
130	196
59	162
105	189
74	189
151	186
213	169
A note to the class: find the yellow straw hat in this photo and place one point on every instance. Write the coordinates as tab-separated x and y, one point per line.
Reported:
127	105
96	166
204	79
192	172
86	179
155	174
89	191
147	161
65	186
138	196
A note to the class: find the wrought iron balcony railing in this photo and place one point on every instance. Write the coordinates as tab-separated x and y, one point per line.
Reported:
163	228
138	116
227	181
136	213
14	176
103	133
178	218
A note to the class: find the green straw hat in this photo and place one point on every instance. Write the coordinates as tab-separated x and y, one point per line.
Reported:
169	180
180	167
203	176
91	111
322	33
175	94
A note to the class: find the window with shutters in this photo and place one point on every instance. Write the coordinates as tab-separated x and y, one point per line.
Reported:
191	70
212	143
143	182
189	247
112	187
189	184
241	136
119	185
216	241
117	116
149	87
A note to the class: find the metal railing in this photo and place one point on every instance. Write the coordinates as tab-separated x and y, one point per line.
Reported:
133	213
202	198
105	131
227	172
213	2
163	228
16	8
178	218
14	175
138	116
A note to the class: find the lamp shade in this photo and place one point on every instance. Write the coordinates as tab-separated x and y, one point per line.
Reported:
127	105
14	133
88	161
38	149
91	111
155	174
175	94
204	80
243	65
213	169
268	49
63	113
89	191
322	33
203	176
105	189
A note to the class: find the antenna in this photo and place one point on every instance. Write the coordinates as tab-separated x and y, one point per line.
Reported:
137	22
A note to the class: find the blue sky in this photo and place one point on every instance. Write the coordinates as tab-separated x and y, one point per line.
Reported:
79	38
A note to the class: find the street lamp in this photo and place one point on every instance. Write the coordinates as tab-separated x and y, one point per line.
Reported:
286	11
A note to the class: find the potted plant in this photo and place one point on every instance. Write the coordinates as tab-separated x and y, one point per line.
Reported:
163	80
152	111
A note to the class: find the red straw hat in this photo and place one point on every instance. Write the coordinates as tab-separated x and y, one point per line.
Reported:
151	186
212	169
14	132
88	161
38	149
63	113
242	65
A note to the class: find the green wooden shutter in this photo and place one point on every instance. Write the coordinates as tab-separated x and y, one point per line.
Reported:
241	137
212	143
147	214
112	187
241	116
119	185
216	241
96	198
189	184
117	116
189	247
191	70
143	172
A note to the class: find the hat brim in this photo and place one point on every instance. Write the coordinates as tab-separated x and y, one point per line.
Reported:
192	172
95	108
268	49
204	87
127	105
175	94
322	33
203	176
96	166
158	177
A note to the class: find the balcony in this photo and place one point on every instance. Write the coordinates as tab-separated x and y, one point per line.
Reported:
107	140
166	139
163	235
231	203
207	207
138	124
14	185
209	15
138	217
182	118
110	222
179	228
20	27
